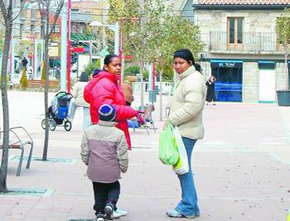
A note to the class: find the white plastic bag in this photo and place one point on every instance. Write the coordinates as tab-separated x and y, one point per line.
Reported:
182	165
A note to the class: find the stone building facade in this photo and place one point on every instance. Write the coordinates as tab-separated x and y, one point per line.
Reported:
242	48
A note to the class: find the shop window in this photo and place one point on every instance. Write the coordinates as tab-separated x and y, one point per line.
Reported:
235	32
56	28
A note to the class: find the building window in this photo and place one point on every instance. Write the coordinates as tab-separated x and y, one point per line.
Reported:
56	28
74	29
235	31
33	14
21	30
32	26
23	14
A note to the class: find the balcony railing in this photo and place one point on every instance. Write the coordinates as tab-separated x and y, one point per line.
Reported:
256	43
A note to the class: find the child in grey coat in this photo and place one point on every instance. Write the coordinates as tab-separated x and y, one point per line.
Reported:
104	151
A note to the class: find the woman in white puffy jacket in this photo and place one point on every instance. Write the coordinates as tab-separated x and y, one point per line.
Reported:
79	101
186	113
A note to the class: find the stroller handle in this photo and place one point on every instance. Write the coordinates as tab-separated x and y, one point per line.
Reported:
65	94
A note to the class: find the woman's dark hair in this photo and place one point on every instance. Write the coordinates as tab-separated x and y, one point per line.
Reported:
84	77
108	58
186	55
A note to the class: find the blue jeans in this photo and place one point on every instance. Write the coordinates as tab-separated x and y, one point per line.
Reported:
188	205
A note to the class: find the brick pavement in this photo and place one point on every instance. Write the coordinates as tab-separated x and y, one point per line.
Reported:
241	169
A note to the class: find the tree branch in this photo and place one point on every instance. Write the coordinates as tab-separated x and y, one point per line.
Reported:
3	10
56	15
21	8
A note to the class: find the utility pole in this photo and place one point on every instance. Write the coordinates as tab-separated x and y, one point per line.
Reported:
160	94
143	30
63	71
117	36
68	45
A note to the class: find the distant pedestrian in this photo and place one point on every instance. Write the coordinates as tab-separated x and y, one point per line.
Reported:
210	96
78	101
186	113
24	62
104	151
128	92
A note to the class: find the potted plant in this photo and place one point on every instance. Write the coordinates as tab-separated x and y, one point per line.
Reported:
24	81
283	31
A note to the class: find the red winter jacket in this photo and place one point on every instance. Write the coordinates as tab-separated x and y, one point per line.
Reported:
104	89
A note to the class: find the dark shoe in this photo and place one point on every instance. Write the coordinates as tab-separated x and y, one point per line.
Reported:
109	209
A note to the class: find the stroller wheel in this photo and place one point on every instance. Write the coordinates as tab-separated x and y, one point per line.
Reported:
43	124
67	125
52	126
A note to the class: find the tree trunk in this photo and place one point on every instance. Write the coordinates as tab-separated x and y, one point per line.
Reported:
5	107
46	137
141	82
160	91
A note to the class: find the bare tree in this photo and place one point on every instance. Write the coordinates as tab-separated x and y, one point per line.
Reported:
8	18
48	9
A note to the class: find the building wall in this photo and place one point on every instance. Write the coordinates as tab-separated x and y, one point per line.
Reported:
206	69
281	76
263	21
250	82
254	21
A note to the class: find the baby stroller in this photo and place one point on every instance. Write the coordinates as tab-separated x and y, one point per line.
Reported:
58	111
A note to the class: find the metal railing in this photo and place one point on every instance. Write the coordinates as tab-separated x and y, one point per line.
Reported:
252	42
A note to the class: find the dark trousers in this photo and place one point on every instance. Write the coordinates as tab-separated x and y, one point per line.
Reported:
105	193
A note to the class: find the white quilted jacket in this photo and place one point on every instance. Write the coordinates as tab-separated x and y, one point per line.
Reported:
187	104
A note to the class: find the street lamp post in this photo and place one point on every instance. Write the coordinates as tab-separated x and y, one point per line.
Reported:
64	53
68	46
115	28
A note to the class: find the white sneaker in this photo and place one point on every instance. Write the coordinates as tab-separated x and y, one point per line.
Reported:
116	215
100	217
121	212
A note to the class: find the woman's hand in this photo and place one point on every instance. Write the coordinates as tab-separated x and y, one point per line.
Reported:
165	124
140	119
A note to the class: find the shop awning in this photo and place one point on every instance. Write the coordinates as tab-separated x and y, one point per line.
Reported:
267	64
81	37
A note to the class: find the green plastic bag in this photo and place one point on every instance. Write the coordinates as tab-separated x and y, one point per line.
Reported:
168	152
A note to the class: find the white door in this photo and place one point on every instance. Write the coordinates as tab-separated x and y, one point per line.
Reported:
267	85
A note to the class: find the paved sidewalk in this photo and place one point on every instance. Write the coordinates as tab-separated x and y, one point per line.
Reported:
242	168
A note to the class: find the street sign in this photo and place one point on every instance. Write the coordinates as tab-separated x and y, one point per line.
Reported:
78	49
128	57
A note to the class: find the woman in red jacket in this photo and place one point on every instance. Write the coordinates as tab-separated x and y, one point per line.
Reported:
105	88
